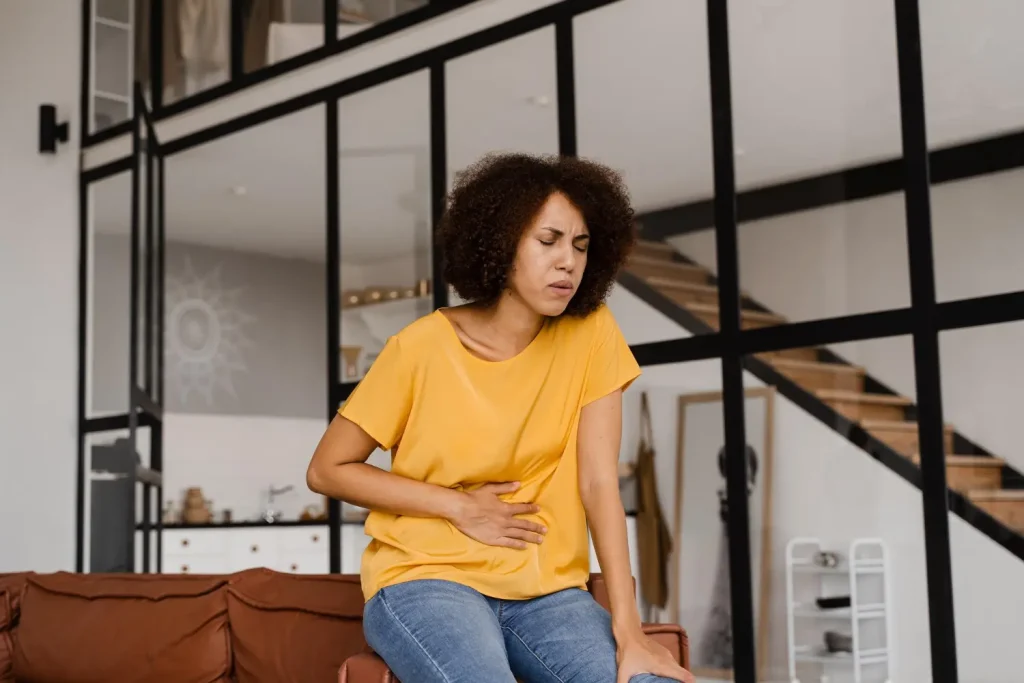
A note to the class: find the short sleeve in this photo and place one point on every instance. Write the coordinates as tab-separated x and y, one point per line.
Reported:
381	402
612	365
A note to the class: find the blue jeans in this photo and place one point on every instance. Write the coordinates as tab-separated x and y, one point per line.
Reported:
433	631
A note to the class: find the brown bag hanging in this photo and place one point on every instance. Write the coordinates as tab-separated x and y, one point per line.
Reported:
654	541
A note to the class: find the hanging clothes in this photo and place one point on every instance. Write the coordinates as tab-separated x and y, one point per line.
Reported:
654	540
170	57
205	32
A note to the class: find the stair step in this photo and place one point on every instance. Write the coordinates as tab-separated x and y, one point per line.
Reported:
971	472
647	267
860	406
816	375
901	435
809	353
1005	505
685	293
750	319
654	249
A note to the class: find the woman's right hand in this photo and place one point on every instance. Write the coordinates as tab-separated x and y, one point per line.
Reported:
483	516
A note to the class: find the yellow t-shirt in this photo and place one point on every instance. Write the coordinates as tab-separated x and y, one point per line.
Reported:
453	419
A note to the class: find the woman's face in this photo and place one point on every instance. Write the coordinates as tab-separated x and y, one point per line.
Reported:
551	257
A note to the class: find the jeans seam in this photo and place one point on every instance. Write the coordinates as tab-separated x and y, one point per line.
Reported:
414	638
535	655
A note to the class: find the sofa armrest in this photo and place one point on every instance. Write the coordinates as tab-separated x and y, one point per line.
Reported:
674	638
365	668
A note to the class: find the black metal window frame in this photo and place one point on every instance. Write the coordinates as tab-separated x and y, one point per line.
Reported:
732	345
239	79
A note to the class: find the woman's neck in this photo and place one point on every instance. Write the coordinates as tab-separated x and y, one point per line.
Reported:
512	322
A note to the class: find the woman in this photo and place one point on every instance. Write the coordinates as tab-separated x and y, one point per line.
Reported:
504	418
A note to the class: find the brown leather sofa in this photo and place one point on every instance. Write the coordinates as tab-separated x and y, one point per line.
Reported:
256	626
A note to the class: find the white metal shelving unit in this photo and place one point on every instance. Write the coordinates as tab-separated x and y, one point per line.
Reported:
868	558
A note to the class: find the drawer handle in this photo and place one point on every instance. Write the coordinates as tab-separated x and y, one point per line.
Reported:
184	569
316	538
184	543
295	567
255	548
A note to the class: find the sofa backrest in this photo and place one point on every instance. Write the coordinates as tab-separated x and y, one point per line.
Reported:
254	626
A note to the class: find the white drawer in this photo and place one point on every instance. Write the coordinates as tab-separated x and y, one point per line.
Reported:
302	539
304	563
195	541
353	543
248	548
195	564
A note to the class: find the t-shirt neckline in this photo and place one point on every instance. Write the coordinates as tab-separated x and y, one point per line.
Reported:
454	336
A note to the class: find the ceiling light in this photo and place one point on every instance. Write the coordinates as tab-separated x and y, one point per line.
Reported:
539	100
239	190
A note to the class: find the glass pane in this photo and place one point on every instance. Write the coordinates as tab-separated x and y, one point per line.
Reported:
197	46
285	30
981	374
114	500
663	148
114	62
384	189
356	15
109	285
972	93
245	365
517	111
155	299
686	433
815	93
843	536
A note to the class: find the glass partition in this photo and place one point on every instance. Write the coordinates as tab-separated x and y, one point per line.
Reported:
662	148
385	216
816	125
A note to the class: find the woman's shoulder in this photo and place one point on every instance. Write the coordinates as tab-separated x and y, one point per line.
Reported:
589	328
421	334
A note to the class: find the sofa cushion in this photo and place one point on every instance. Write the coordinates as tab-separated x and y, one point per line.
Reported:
147	627
292	628
11	587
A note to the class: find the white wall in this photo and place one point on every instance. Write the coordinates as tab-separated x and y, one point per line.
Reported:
824	486
39	63
852	258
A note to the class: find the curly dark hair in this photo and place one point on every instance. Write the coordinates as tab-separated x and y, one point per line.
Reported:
495	199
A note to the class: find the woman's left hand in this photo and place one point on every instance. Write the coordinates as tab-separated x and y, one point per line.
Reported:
639	654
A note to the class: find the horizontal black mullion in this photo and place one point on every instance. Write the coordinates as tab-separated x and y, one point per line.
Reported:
113	423
983	310
97	173
957	162
891	323
698	347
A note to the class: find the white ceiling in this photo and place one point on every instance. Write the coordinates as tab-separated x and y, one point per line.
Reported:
814	89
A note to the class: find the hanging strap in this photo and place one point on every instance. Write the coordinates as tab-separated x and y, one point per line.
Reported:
646	432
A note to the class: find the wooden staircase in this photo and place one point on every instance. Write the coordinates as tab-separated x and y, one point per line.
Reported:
842	386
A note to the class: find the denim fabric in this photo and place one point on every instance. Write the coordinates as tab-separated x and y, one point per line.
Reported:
433	631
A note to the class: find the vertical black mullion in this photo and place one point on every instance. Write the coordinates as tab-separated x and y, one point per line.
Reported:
83	300
157	453
738	523
85	96
156	54
150	256
330	21
438	177
566	78
156	462
237	39
133	341
926	343
333	311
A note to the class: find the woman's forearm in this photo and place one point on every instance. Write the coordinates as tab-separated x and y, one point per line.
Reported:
607	520
370	487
